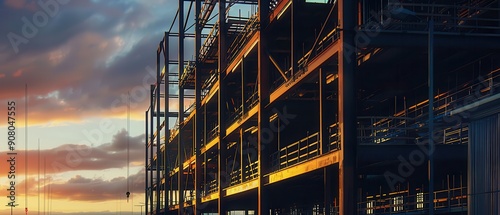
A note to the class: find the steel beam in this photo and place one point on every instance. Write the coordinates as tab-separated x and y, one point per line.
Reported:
198	118
278	67
166	56
263	115
222	179
431	115
146	161
327	188
157	98
151	146
323	132
180	139
320	162
294	34
445	40
347	108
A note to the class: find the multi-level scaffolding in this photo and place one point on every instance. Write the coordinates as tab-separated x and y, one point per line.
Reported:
326	107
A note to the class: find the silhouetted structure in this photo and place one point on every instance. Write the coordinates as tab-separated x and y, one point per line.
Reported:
322	107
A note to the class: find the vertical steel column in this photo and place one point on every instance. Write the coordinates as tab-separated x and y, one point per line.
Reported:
347	108
327	186
243	99
242	132
151	146
263	115
146	161
199	110
180	148
158	134
294	47
323	132
166	63
222	150
431	116
323	135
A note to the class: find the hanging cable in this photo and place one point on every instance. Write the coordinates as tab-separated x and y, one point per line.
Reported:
128	147
38	176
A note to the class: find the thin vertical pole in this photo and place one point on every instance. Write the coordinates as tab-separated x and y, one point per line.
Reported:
166	98
199	110
151	133
180	148
222	62
146	162
158	116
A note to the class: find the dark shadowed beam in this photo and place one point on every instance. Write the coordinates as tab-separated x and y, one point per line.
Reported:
180	139
347	108
263	115
222	175
166	76
411	40
199	110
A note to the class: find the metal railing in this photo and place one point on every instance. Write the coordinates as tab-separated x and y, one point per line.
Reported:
210	187
403	202
410	125
377	130
241	110
326	42
250	171
334	137
294	153
209	83
209	42
212	132
460	18
235	177
188	74
251	26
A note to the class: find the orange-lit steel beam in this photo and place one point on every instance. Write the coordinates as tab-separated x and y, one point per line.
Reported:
244	51
316	62
280	9
308	166
278	67
347	114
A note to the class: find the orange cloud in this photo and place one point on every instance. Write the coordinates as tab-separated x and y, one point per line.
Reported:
18	73
2	75
21	4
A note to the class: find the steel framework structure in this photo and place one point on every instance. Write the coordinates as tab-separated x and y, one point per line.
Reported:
325	107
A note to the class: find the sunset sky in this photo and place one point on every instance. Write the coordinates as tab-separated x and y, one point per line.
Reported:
79	60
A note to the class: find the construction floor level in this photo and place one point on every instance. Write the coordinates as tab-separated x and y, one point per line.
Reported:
326	107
